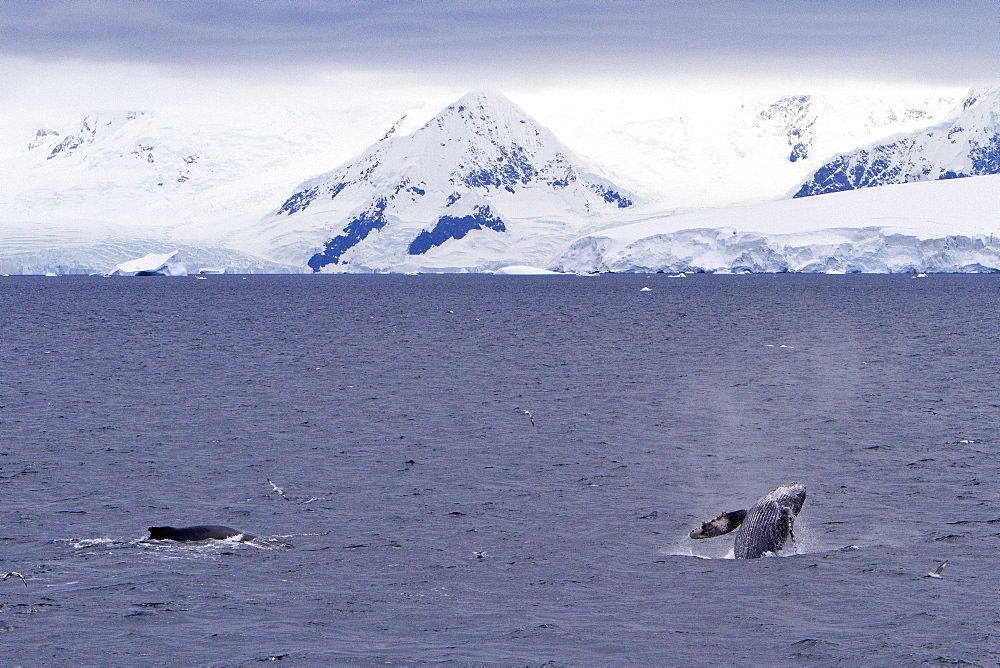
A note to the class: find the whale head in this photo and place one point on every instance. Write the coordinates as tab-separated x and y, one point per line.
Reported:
791	496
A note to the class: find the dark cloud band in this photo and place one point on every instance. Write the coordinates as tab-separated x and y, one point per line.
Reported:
932	38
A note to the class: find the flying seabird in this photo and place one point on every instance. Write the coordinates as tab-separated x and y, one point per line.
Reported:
528	413
278	490
936	573
14	574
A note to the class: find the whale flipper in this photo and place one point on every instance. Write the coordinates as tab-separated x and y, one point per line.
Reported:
721	525
200	532
763	528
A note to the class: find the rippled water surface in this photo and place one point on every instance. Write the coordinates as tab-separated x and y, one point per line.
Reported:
427	520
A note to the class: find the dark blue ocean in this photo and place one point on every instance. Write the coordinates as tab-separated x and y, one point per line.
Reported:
428	520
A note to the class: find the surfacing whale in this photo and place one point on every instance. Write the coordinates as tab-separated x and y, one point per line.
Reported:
763	528
200	532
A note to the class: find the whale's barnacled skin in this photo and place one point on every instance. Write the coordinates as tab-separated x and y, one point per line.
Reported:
763	528
201	532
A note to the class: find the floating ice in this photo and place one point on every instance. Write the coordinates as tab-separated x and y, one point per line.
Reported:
522	270
153	264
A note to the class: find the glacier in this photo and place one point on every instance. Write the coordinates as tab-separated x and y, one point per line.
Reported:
119	184
937	226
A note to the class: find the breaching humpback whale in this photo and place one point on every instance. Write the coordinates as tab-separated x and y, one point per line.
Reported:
201	532
763	528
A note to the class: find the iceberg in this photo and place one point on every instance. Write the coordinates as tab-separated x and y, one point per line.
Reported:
153	264
523	270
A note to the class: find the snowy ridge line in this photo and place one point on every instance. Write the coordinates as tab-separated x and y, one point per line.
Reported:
966	143
696	151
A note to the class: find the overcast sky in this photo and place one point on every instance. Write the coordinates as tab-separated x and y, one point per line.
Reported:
61	59
953	42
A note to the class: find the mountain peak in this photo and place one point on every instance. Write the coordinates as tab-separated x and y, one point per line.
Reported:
492	102
461	181
494	118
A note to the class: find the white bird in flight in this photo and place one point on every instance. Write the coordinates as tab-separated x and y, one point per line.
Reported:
278	490
528	413
14	574
936	573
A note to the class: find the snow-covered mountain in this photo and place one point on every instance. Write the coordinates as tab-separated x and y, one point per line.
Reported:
479	186
84	195
470	188
683	150
966	143
942	226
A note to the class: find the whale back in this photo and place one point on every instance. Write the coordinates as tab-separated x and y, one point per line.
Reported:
768	524
200	532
